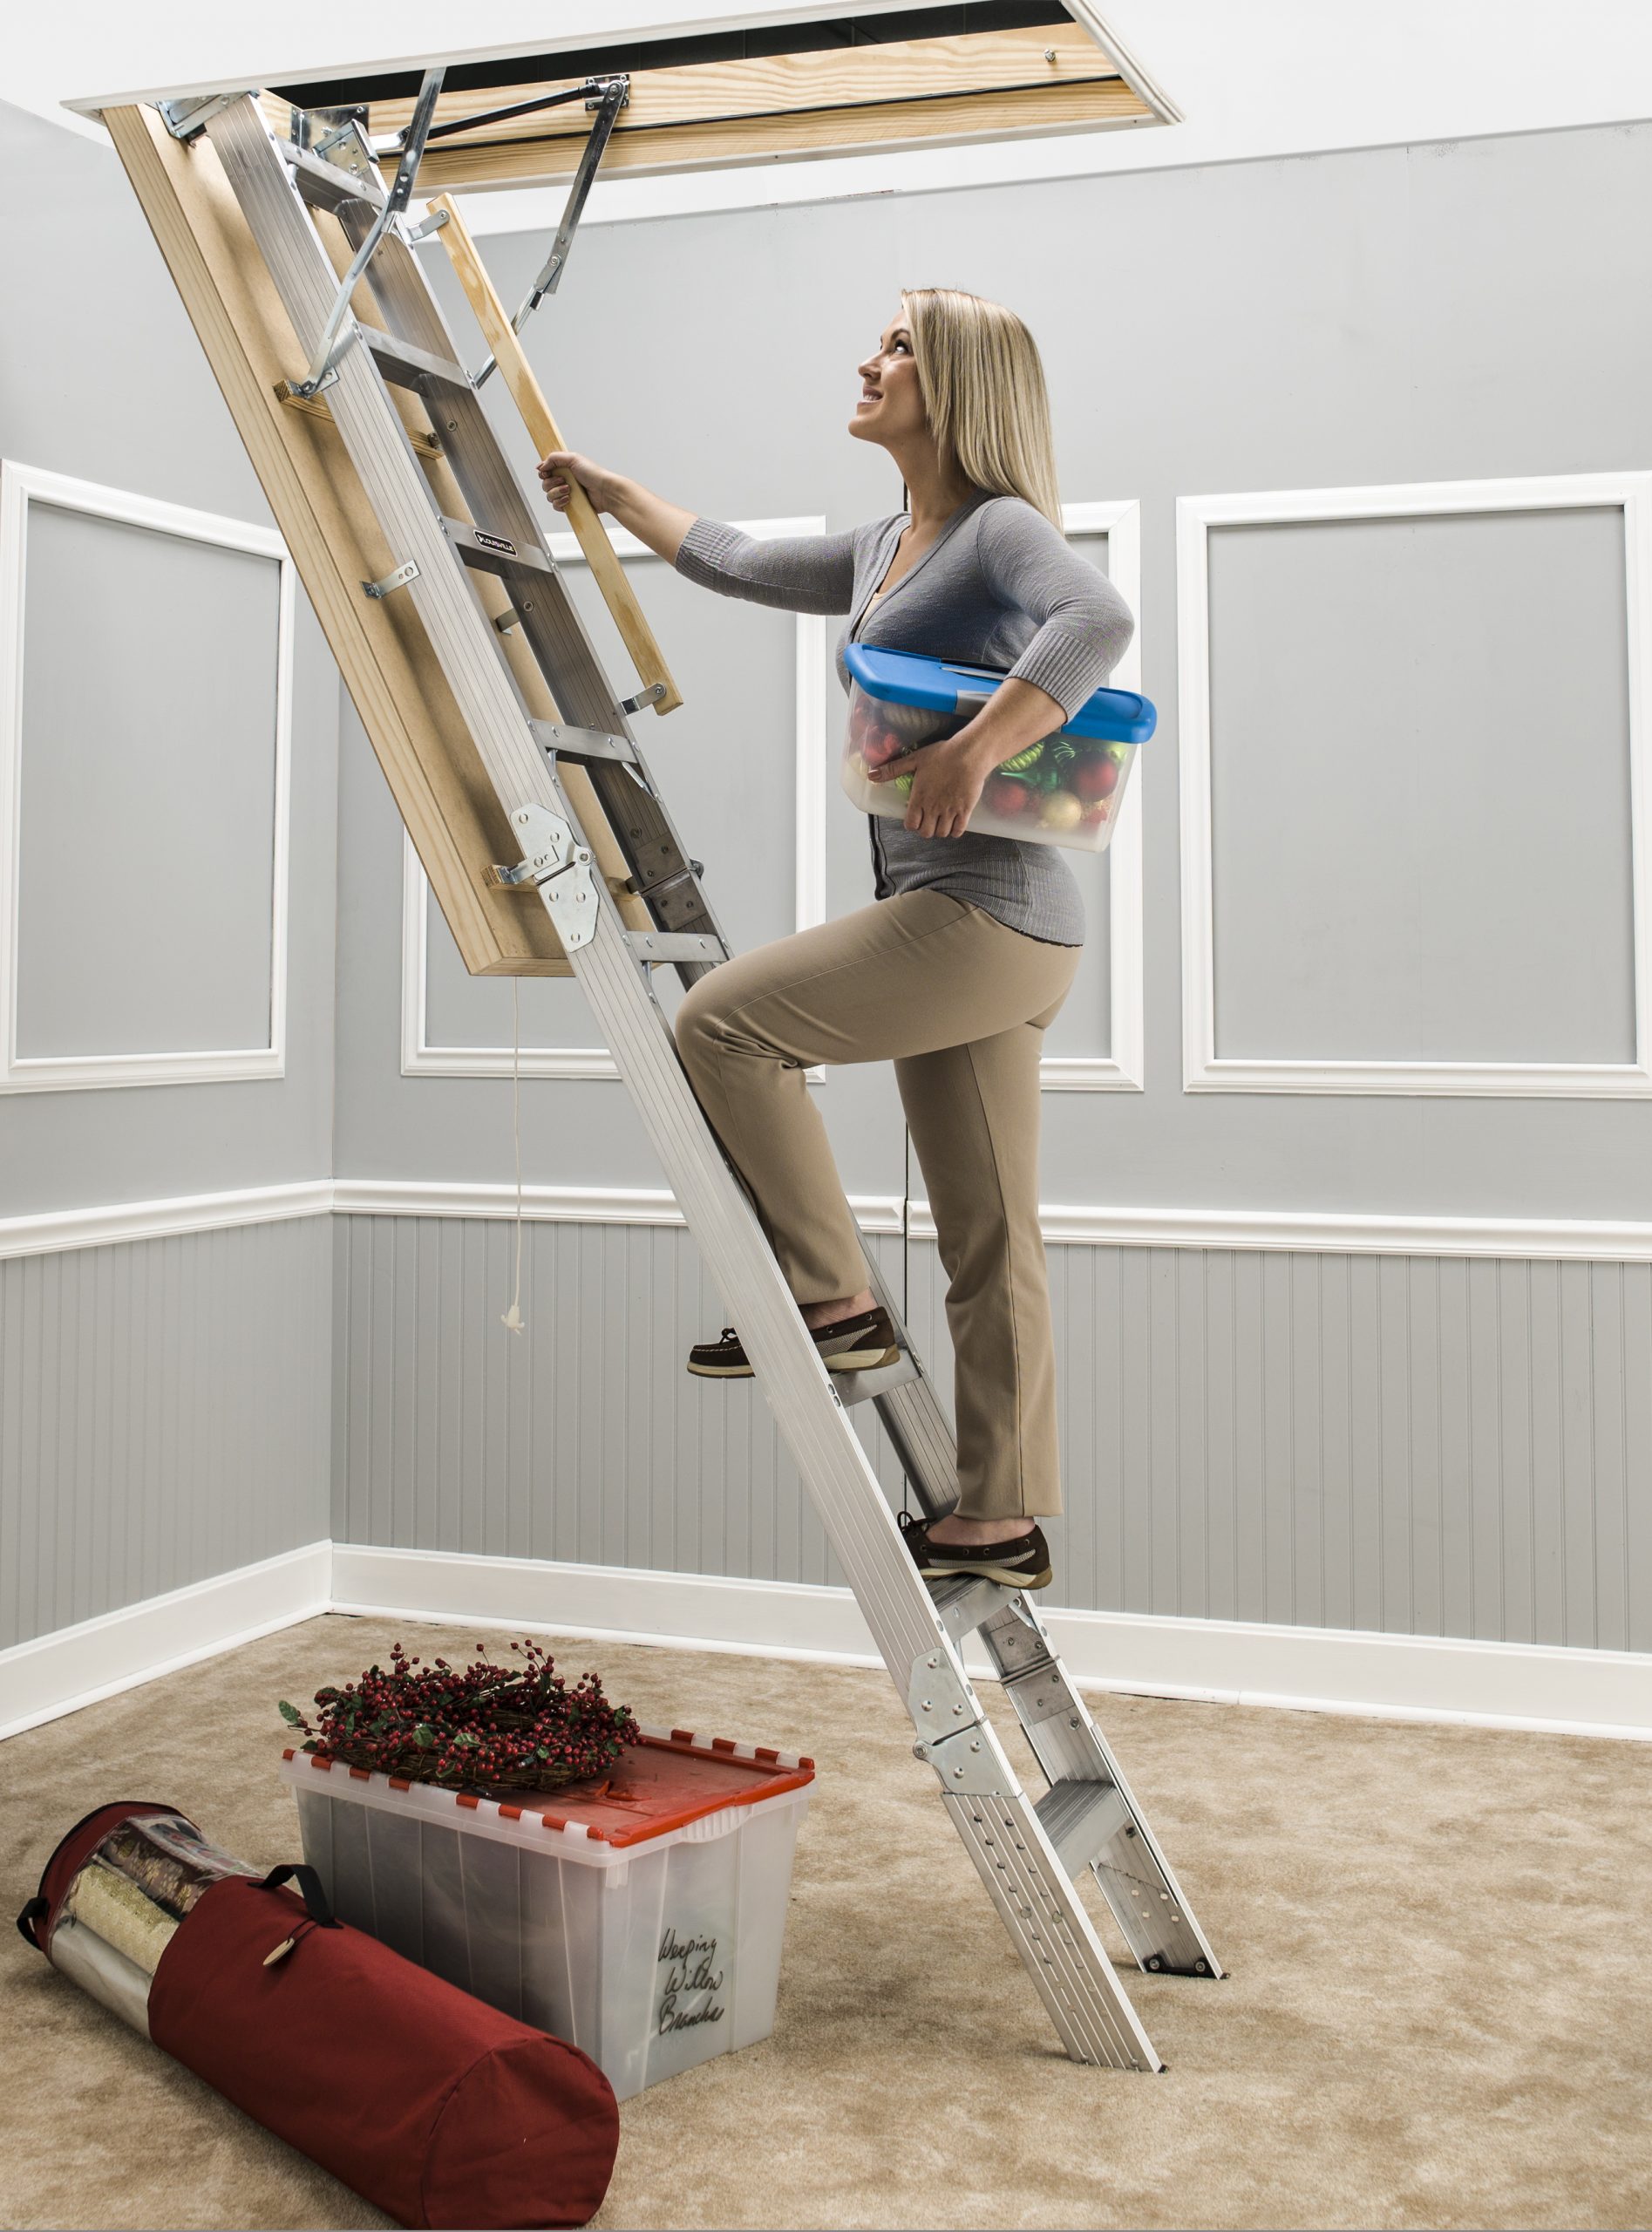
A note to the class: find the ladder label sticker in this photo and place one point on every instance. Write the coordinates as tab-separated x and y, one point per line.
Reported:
494	542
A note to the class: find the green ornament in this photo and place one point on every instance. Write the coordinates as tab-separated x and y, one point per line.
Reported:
903	784
1021	761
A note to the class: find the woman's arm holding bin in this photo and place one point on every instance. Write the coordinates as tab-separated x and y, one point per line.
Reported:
1084	625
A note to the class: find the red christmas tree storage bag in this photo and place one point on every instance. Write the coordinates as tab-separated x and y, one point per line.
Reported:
444	2112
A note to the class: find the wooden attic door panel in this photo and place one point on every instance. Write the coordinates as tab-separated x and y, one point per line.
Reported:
456	823
910	92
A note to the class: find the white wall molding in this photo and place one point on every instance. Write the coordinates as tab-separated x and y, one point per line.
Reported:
1228	1662
1123	1068
1203	1071
396	1197
812	728
1093	1225
20	485
53	1229
71	1667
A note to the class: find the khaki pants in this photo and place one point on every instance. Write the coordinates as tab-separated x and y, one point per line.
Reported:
959	1001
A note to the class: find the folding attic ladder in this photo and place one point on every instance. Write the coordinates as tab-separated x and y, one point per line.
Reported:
1030	1851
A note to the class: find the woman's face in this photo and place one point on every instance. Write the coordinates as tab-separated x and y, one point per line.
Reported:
891	406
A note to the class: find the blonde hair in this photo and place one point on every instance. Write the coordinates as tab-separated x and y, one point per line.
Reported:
983	382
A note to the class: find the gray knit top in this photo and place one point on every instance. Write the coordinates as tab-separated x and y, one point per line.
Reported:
999	587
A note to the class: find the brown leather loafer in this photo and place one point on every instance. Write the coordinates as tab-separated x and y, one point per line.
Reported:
857	1344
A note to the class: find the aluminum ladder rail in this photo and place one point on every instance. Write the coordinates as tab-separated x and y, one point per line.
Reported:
1030	1852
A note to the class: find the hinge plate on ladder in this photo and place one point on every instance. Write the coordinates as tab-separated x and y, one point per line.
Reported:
946	1714
560	867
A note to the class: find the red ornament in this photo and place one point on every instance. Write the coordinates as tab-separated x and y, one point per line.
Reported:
1096	779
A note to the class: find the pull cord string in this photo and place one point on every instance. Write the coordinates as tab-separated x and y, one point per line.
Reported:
513	1317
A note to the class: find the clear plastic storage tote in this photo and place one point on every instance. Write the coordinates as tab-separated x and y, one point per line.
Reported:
1064	790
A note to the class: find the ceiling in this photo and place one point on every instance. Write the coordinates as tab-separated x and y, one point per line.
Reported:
1250	78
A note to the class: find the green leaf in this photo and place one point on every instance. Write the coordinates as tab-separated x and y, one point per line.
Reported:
425	1736
290	1714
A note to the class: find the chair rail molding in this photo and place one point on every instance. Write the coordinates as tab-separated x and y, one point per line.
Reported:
811	724
1204	1071
20	486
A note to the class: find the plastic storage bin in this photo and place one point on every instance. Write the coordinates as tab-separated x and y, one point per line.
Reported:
641	1918
1065	789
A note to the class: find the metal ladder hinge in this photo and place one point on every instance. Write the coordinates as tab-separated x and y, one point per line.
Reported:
184	118
560	867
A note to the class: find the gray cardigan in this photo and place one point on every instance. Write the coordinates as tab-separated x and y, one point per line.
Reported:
1000	588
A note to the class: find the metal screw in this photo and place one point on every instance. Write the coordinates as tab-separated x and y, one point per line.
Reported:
1072	1720
925	1704
958	1772
1050	54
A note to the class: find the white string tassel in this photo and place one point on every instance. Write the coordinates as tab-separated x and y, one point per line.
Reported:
513	1317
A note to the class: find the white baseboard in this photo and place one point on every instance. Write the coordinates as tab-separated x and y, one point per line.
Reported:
1229	1662
76	1666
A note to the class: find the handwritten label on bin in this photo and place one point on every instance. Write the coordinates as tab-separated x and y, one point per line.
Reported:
691	1975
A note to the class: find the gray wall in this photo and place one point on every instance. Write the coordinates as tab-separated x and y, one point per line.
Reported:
102	379
1414	858
1415	1444
1324	321
164	1406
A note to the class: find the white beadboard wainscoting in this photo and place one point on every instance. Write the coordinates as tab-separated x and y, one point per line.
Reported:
1392	1465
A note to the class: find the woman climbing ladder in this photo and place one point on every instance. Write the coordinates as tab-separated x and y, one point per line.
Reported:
957	969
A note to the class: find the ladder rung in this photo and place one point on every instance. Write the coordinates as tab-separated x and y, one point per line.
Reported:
1081	1819
861	1386
324	185
495	554
408	364
655	946
965	1603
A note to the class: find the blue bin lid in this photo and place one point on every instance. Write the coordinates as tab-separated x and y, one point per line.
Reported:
909	679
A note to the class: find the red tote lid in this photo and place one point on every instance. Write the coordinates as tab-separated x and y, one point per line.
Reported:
662	1783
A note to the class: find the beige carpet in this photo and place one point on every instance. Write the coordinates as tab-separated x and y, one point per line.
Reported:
1437	2014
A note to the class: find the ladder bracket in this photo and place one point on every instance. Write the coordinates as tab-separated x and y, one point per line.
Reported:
184	118
651	696
422	231
561	868
340	329
399	580
559	738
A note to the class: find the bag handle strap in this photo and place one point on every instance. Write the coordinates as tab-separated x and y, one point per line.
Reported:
309	1883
